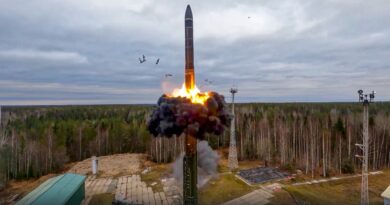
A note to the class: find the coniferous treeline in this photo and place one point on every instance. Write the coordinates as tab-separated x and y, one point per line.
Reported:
40	140
318	138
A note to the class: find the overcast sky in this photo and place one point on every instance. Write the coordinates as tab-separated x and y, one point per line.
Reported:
86	51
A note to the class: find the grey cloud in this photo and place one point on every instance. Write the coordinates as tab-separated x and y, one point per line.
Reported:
289	50
36	55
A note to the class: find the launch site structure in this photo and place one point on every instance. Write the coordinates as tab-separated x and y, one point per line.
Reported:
366	99
232	160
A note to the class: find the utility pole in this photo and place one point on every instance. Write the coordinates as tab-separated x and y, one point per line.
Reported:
2	133
1	124
232	160
366	99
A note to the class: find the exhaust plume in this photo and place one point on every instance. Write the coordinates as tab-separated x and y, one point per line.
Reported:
207	165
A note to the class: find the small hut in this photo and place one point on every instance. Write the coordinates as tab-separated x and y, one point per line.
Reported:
67	189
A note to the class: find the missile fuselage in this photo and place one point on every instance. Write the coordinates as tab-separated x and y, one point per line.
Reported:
190	167
189	50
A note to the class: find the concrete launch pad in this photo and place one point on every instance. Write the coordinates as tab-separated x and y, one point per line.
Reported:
261	174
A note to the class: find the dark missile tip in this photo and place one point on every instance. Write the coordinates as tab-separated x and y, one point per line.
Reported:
188	12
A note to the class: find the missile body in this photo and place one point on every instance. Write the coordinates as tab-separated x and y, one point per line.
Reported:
190	191
189	50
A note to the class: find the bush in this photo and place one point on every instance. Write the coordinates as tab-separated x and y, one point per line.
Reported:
347	167
288	167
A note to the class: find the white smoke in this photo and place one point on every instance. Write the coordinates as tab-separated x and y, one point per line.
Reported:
207	164
168	85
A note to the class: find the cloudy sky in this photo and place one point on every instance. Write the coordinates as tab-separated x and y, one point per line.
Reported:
86	51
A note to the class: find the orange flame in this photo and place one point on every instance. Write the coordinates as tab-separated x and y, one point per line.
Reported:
193	94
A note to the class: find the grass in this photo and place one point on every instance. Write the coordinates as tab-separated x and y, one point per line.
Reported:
344	191
222	168
223	165
154	176
225	188
249	164
281	197
102	199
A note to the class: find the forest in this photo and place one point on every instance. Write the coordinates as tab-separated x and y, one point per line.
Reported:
317	138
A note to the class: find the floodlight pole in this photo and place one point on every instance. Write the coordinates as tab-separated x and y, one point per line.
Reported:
365	197
2	132
1	124
232	160
0	117
0	120
366	99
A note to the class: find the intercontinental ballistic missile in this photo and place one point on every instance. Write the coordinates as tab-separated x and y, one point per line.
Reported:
189	50
190	191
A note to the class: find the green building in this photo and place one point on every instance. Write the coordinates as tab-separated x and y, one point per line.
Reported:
67	189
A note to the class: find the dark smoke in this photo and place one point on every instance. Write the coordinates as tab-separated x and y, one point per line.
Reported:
174	115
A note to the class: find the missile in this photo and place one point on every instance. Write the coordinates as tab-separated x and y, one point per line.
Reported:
190	192
189	50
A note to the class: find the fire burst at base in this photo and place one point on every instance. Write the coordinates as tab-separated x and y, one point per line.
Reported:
190	113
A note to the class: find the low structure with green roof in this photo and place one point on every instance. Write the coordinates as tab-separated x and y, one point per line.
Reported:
67	189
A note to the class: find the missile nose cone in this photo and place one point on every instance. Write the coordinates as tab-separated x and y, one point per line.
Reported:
188	12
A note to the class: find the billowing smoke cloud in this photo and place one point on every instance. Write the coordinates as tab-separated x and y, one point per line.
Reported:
207	164
174	115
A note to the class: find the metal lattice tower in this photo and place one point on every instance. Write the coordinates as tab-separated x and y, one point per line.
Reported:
2	137
232	161
366	99
1	121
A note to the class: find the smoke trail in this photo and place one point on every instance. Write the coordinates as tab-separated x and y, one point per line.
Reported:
207	164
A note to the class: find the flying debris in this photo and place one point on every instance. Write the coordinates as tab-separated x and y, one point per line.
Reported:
168	75
142	60
208	81
158	60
